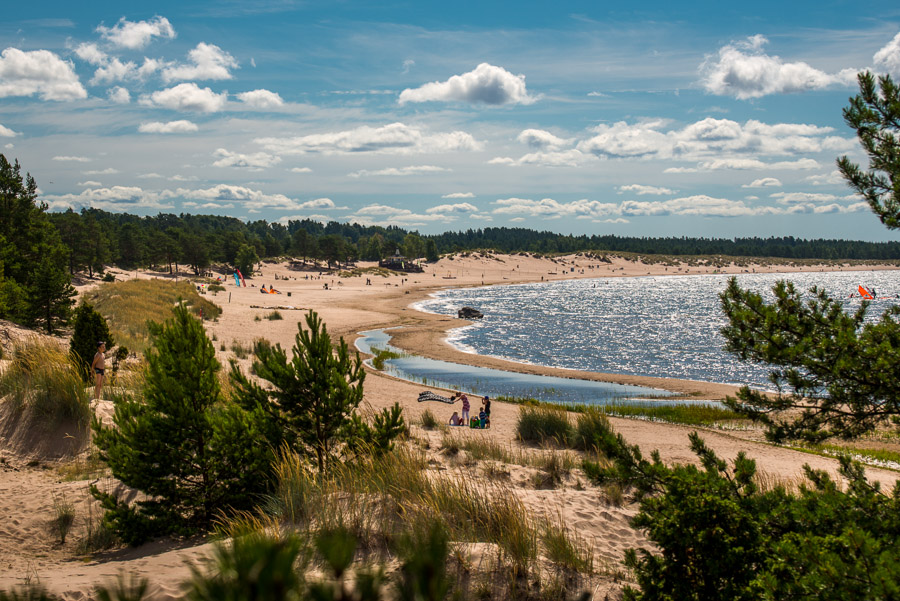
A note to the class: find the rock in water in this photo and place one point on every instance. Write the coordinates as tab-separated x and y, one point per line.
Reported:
469	313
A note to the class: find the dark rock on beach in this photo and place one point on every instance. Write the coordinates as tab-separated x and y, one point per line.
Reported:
469	313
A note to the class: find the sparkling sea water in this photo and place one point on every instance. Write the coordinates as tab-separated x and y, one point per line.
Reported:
663	326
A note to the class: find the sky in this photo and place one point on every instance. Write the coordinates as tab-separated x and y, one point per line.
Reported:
704	119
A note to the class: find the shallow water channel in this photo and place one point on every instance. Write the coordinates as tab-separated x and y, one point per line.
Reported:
494	382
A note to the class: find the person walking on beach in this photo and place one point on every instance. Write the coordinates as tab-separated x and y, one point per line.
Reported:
99	367
487	409
465	408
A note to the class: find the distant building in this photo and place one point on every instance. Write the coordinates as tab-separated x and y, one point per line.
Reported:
398	262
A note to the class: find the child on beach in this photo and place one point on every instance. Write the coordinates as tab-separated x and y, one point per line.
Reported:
482	416
487	411
465	407
454	419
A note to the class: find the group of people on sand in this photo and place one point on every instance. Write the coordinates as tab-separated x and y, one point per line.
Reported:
481	420
271	290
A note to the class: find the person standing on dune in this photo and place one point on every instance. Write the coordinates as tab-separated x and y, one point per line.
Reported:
99	367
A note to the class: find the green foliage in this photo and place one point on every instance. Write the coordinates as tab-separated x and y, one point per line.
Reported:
875	115
274	316
246	260
839	371
89	328
192	454
314	397
50	291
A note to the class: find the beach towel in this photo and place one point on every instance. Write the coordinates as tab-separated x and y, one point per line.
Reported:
430	396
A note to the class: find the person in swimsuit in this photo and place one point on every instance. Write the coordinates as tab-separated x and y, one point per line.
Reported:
99	367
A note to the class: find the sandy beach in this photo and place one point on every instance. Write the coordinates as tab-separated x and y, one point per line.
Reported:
348	305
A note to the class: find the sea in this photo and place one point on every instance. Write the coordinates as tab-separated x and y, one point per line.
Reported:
661	326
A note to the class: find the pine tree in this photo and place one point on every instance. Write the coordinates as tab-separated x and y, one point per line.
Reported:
88	329
50	291
190	452
837	370
314	396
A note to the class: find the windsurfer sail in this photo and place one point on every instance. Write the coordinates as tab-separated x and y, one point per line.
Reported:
866	293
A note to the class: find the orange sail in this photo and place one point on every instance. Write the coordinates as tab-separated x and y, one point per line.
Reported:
864	292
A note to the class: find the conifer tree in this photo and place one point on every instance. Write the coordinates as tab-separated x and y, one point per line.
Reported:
50	291
88	329
314	396
190	452
838	370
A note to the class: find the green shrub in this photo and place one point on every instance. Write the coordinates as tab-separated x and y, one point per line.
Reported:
274	316
89	329
429	421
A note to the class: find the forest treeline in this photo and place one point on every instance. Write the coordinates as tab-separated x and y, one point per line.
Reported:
96	238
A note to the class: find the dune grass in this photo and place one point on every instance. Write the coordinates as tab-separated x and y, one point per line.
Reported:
383	499
128	306
544	423
43	377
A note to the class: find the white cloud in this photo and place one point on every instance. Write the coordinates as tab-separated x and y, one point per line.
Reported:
72	159
888	58
565	158
399	171
119	95
116	198
91	53
744	71
538	138
709	137
487	84
172	127
207	61
261	99
746	164
301	170
89	184
6	132
641	190
38	72
107	171
459	195
396	138
462	207
833	178
136	35
188	97
807	197
764	182
377	214
254	162
242	195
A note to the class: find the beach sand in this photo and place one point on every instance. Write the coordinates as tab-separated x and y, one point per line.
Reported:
29	483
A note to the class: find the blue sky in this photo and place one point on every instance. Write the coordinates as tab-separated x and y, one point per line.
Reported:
666	119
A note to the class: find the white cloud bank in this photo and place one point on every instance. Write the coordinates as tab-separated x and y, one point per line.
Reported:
6	132
207	61
38	72
399	171
136	35
487	84
255	162
172	127
396	138
743	70
888	58
261	99
188	97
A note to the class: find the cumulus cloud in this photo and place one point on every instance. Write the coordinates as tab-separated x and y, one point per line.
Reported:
396	138
565	158
764	182
834	178
746	164
378	214
641	190
119	95
207	61
136	35
91	53
71	159
699	205
38	72
709	137
172	127
487	84
744	70
301	170
107	171
888	58
538	138
261	99
89	184
459	195
462	207
809	197
254	162
399	171
248	198
115	199
188	97
6	132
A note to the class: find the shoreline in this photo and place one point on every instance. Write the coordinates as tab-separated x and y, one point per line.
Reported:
425	334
